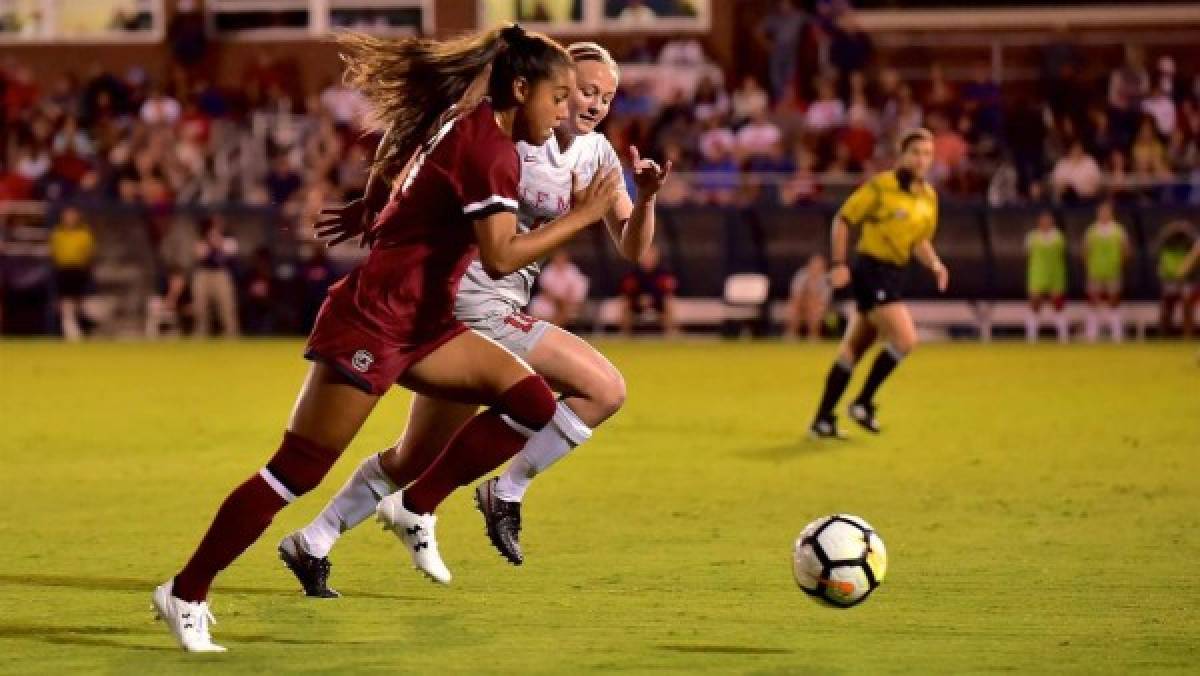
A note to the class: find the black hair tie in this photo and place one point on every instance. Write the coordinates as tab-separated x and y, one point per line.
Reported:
512	34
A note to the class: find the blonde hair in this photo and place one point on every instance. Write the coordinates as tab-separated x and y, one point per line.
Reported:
912	136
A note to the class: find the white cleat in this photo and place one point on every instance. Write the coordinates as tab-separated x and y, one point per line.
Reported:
416	532
188	622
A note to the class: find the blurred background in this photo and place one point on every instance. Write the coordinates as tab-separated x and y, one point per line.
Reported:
162	161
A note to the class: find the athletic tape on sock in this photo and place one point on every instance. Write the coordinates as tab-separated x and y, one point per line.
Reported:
574	429
896	353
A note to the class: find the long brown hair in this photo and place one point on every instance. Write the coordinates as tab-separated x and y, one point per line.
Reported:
412	83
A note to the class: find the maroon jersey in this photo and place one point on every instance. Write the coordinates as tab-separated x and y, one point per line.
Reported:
398	306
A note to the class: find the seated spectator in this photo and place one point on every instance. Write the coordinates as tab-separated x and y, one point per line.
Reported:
858	137
757	137
802	187
72	250
282	181
1149	154
1161	108
650	286
160	109
766	172
982	102
749	100
827	112
900	114
562	291
808	302
718	177
682	52
676	190
709	101
949	149
1076	176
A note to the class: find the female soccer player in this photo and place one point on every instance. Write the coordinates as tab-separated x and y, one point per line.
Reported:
1046	275
593	389
392	320
897	212
1106	248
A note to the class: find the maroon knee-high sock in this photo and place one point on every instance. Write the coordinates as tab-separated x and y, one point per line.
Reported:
484	443
296	468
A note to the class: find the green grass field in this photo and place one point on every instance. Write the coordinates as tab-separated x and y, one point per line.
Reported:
1039	507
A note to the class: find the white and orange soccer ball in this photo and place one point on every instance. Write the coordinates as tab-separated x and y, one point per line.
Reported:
839	560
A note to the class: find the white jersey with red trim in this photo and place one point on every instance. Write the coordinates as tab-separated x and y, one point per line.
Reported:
544	195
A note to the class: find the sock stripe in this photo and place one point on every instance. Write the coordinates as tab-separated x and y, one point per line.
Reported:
277	485
516	426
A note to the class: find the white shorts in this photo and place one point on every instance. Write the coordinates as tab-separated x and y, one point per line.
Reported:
500	320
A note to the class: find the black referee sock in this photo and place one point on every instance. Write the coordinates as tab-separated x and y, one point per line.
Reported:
835	387
884	364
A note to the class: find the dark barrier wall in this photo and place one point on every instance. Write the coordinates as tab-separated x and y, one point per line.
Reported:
984	248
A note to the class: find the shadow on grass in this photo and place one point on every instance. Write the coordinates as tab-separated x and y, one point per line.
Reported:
104	583
724	649
802	447
84	636
105	637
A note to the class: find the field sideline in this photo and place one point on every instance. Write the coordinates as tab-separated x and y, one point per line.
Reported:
1040	507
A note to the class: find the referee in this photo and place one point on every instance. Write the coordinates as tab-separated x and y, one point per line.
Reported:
896	212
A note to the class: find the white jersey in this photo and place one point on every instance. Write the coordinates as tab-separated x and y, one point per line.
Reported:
545	194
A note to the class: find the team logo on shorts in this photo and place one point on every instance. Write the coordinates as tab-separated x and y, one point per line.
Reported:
362	360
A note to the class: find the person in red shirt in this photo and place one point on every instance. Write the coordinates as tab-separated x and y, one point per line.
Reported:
454	110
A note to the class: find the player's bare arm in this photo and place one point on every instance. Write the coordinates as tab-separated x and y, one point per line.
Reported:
839	273
630	223
503	250
925	253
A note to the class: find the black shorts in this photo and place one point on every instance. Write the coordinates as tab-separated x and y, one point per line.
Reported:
876	283
72	282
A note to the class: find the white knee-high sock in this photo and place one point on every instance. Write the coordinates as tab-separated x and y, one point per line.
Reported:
1060	323
1032	325
1116	326
1092	325
544	448
351	506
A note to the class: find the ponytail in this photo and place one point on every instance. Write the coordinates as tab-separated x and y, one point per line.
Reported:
415	84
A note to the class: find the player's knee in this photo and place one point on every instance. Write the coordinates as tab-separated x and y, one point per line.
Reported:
529	403
902	346
609	394
300	464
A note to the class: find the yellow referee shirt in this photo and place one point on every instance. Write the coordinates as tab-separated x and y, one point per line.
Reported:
72	247
893	220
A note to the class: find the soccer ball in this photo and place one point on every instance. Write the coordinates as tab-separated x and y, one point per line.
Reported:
839	560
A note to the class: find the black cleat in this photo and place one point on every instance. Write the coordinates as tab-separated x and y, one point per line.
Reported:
863	413
825	427
312	572
503	520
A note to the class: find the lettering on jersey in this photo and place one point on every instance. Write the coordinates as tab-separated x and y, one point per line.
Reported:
362	360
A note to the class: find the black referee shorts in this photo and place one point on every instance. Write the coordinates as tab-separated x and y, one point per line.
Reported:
875	282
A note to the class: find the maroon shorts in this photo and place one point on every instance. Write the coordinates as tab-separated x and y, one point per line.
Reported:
373	359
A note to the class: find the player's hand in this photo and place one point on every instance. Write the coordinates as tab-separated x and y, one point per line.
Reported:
595	201
339	224
839	276
942	276
647	175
